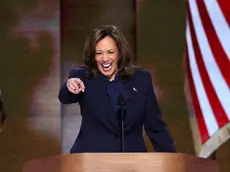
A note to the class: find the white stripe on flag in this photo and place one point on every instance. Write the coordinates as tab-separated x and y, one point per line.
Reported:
218	82
207	112
220	25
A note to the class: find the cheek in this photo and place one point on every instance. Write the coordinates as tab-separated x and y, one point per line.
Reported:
98	65
115	59
97	60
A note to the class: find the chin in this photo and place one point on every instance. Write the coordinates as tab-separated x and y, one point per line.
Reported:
108	74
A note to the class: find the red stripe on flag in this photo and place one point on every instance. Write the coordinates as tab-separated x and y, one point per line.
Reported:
225	8
216	47
198	113
218	110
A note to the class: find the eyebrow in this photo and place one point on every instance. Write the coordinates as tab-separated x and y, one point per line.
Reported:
107	50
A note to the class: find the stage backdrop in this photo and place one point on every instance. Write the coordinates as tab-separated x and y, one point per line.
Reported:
29	80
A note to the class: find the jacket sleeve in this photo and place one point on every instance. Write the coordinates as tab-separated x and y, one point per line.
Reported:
65	96
155	127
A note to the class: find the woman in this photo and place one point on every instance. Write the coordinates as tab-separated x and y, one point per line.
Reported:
108	74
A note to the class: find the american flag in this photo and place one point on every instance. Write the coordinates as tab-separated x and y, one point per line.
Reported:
208	73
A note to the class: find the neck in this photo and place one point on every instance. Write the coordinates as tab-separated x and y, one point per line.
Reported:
112	78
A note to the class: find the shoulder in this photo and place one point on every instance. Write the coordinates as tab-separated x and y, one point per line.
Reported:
142	79
77	72
143	75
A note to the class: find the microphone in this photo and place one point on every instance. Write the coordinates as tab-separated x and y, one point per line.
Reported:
121	100
120	115
2	112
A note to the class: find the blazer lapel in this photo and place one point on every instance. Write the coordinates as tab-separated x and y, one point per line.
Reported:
128	91
104	102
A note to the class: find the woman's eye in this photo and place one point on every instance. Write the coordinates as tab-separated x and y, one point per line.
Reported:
111	52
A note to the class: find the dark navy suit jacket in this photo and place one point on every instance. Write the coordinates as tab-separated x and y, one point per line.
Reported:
99	132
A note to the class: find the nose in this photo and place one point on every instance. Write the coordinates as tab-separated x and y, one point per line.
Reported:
105	57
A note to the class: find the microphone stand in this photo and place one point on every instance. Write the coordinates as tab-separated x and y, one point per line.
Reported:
121	116
122	134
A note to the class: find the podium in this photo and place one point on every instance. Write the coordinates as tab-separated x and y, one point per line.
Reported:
122	162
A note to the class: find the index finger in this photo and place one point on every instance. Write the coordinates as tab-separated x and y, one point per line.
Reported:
81	85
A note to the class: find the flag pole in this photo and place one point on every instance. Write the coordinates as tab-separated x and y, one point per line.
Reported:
213	155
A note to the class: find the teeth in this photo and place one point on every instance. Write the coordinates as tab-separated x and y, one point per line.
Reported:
106	65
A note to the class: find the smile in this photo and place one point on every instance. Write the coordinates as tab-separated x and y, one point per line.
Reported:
106	66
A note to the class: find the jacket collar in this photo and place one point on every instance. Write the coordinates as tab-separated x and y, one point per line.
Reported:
126	86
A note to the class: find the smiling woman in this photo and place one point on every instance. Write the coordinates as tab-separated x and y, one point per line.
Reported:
109	74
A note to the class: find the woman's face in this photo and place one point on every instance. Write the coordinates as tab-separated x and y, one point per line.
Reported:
107	57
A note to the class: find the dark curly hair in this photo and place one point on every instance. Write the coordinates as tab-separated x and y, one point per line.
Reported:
126	68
